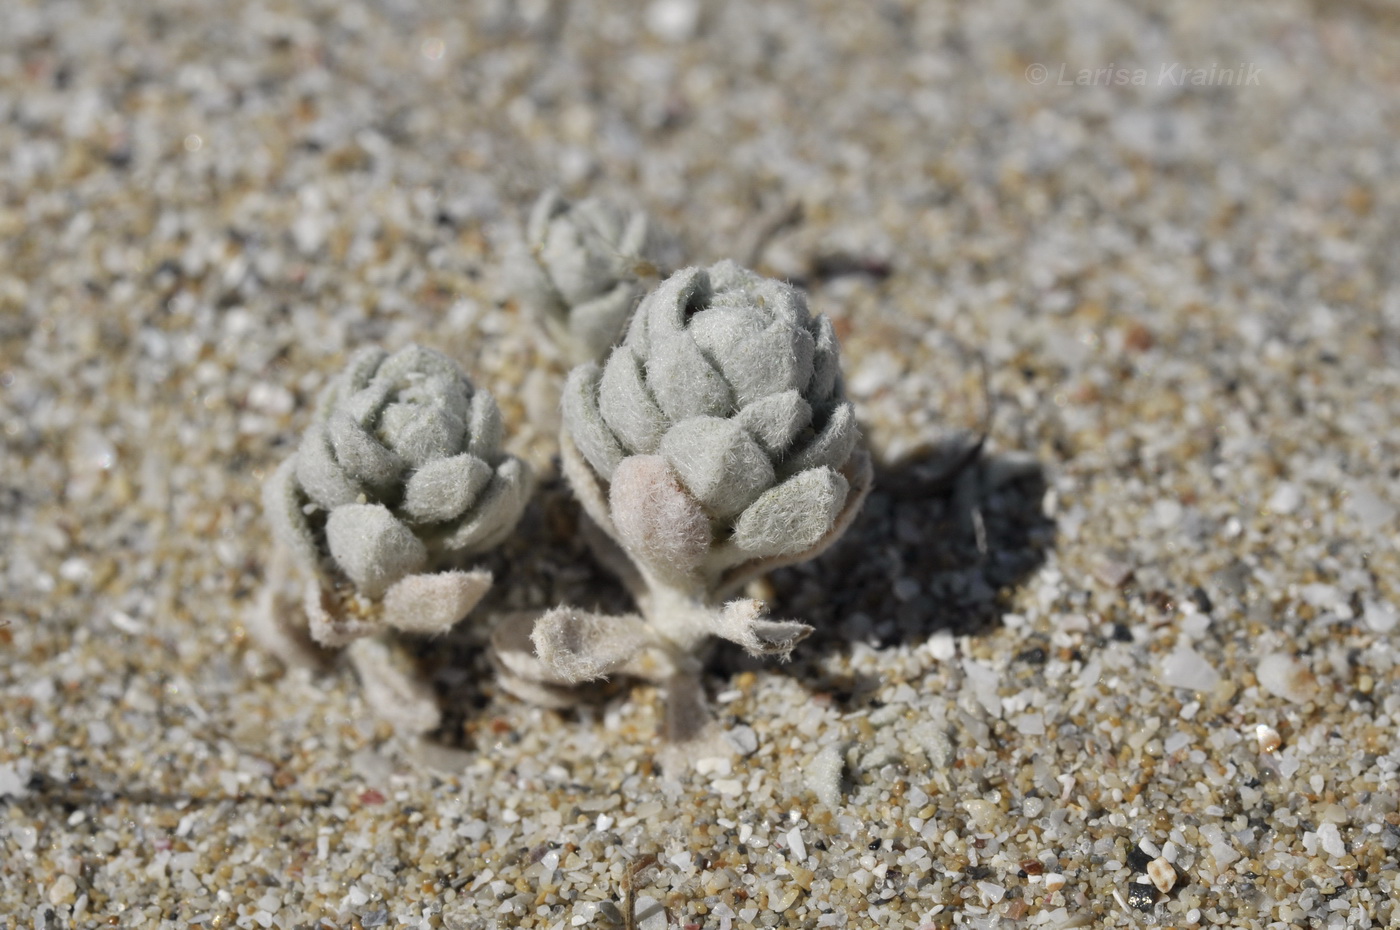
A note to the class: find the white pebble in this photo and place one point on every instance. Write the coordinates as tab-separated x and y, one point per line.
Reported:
1162	873
74	570
1285	499
983	680
62	890
713	765
744	739
14	778
1380	617
824	775
983	814
1176	742
729	787
1224	854
651	914
1184	667
941	646
798	847
1369	508
1331	839
673	20
1284	676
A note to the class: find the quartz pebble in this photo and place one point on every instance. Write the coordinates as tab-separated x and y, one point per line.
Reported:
1162	874
1286	677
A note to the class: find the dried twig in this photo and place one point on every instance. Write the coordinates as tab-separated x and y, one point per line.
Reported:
636	872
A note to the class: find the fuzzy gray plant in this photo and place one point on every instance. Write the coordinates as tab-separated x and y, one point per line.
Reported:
583	267
399	479
714	445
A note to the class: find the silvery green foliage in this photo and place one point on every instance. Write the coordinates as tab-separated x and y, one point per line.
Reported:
715	444
583	269
400	475
719	431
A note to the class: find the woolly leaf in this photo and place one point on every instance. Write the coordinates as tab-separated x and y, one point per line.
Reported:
826	362
365	406
532	691
451	393
431	603
320	475
719	462
585	423
794	516
757	360
580	262
637	337
513	649
282	502
580	646
484	432
363	457
776	420
602	220
363	366
721	330
421	433
372	547
743	622
356	376
596	324
520	672
670	304
497	510
661	525
683	382
635	239
583	263
626	406
764	299
414	362
832	446
729	275
549	205
444	489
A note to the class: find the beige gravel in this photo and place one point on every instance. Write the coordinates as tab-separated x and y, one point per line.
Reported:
1162	692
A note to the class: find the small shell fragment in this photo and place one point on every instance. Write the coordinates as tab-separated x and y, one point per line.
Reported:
1268	737
1162	873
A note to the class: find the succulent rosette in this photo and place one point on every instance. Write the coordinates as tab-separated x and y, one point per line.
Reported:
399	479
583	269
715	444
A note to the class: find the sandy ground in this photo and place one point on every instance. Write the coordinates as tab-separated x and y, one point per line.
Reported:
1170	235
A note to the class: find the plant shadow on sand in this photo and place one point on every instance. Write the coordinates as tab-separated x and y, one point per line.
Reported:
545	563
935	548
